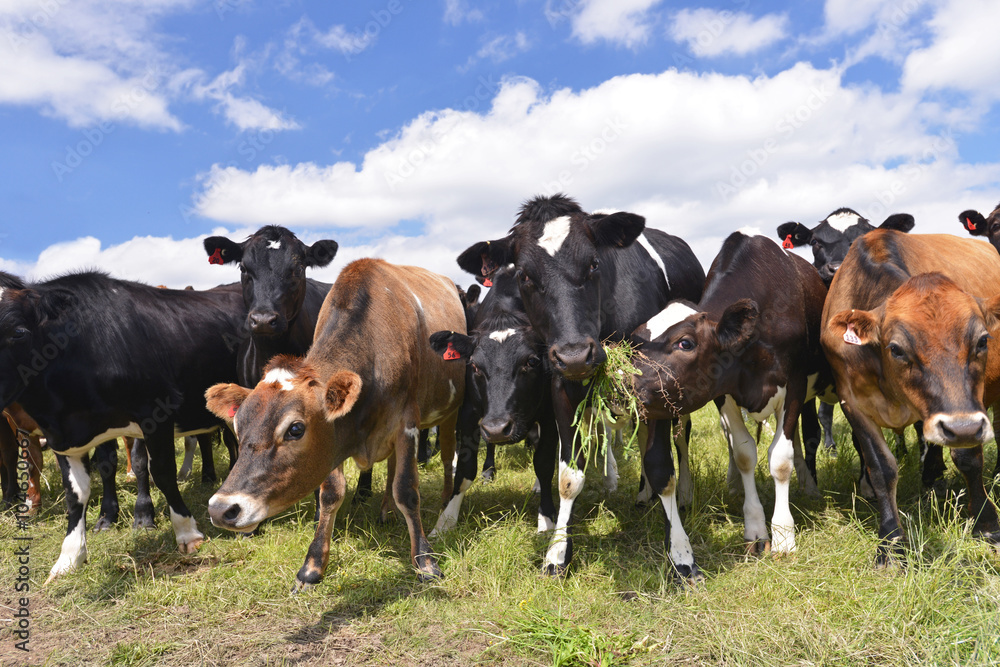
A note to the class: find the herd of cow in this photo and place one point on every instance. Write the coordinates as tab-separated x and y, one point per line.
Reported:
898	328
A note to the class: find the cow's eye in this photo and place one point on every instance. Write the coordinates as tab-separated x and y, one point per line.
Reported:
983	343
896	351
685	344
533	362
594	266
295	431
19	333
526	280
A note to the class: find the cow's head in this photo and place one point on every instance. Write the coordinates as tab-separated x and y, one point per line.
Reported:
690	356
977	225
832	237
555	249
273	263
508	377
925	351
285	427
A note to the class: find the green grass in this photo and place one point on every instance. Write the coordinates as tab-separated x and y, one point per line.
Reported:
140	602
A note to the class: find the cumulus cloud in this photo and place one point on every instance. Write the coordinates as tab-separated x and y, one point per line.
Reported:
852	16
245	113
621	22
710	33
457	12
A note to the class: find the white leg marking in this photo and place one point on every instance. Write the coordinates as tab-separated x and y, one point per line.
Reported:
743	450
449	515
680	546
189	538
570	486
781	458
74	546
537	487
190	443
545	524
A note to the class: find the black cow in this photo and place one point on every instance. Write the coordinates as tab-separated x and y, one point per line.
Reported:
752	342
583	280
91	358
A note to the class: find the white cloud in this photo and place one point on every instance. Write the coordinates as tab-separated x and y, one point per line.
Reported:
852	16
691	152
457	12
245	113
711	33
622	22
499	49
963	53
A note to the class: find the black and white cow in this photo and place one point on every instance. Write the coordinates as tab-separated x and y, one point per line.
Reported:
584	278
92	358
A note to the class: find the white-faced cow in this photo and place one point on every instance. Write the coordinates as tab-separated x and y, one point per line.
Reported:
584	278
752	342
909	327
367	385
92	358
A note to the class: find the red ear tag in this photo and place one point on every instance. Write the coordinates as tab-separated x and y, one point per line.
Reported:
232	411
451	353
850	337
970	225
216	257
787	243
487	283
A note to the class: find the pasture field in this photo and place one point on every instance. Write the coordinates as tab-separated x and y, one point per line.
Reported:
140	602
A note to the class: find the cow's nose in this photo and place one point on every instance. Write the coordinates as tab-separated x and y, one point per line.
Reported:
262	322
958	430
576	361
497	430
235	512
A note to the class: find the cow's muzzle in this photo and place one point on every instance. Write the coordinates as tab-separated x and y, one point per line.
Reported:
958	430
236	511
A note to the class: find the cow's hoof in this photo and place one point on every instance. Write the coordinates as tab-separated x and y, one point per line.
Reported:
103	523
488	475
689	576
428	570
553	570
759	547
301	587
143	522
191	546
130	476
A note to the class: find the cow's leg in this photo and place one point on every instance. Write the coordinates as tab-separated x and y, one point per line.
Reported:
685	485
128	443
329	499
825	415
931	463
489	463
465	471
659	465
865	489
806	477
424	446
806	470
33	445
76	484
544	462
969	462
781	460
571	478
232	446
405	489
388	504
206	442
143	516
106	461
447	442
743	454
364	489
883	474
610	464
190	442
163	468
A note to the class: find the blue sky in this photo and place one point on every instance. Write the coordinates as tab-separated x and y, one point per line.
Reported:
131	130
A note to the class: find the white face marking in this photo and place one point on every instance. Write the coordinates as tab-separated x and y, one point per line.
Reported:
668	317
274	245
644	242
280	376
554	235
501	336
252	511
842	221
1	293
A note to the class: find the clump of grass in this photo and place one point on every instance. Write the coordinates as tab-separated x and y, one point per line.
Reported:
611	395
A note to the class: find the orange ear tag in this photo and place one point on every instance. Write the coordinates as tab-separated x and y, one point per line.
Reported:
787	243
451	353
487	282
850	337
232	411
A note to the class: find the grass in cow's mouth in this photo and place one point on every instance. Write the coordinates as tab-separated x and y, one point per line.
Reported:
611	397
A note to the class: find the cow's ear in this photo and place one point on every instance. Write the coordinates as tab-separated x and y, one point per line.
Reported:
452	345
737	325
794	233
485	257
221	250
856	327
616	229
224	400
472	295
991	311
974	222
901	222
342	392
321	253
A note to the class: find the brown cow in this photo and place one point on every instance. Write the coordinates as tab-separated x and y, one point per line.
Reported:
907	328
19	439
367	385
